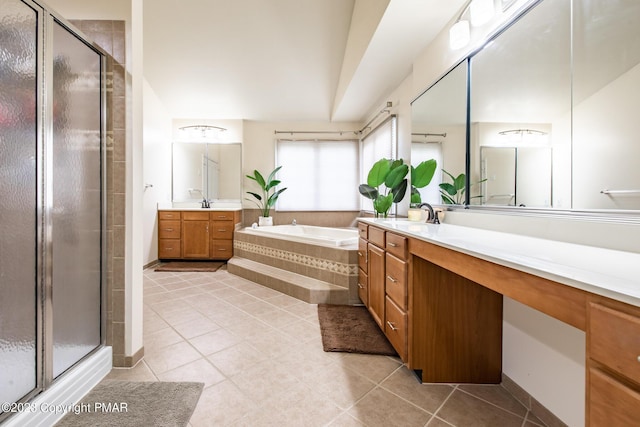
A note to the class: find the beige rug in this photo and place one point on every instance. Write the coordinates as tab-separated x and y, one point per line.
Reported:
125	404
351	329
186	266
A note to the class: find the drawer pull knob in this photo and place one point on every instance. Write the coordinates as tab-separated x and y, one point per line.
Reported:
638	358
168	229
362	287
393	245
391	279
359	253
392	326
222	230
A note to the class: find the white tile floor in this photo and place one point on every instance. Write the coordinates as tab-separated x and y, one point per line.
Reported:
259	354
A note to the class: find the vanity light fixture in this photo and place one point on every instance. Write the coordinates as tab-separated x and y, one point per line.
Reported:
525	136
480	12
202	132
459	35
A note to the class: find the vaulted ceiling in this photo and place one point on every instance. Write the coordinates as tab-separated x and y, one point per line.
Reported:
284	60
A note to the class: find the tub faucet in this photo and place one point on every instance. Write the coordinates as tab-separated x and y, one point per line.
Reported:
432	218
294	222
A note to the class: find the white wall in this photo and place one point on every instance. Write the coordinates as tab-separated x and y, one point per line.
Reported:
157	155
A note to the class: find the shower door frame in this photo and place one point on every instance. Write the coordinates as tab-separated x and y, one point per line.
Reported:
46	20
50	20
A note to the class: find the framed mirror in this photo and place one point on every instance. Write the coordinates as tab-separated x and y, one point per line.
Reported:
206	171
438	131
553	101
521	112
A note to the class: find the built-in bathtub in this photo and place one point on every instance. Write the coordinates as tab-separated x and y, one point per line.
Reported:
311	234
314	264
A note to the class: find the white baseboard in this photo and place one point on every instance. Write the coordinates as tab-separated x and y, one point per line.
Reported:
51	405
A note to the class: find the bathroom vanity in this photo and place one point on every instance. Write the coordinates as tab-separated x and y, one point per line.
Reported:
197	234
436	291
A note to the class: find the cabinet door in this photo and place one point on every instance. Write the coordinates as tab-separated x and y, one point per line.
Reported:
195	239
376	283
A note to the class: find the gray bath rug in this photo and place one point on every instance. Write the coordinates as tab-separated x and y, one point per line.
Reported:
126	403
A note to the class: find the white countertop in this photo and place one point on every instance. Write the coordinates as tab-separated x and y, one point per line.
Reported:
610	273
193	206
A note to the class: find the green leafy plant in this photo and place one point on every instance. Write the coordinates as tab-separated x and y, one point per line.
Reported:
421	176
391	173
269	196
452	193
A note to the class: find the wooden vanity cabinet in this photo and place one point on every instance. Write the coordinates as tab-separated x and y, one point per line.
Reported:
222	227
613	365
202	235
169	235
386	289
363	277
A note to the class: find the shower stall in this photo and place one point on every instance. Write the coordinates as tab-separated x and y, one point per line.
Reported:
52	239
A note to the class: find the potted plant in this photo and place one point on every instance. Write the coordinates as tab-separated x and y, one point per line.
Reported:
391	173
452	193
421	176
269	196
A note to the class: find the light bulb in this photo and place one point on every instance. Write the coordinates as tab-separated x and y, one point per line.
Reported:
481	12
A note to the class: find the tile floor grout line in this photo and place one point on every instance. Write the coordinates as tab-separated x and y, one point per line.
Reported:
496	406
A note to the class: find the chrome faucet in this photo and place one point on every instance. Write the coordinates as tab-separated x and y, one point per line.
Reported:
432	218
205	203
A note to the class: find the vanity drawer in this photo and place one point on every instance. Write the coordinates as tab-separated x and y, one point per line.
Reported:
363	287
614	340
222	230
195	216
397	245
221	216
396	280
362	255
175	215
169	229
395	328
222	249
363	230
610	402
376	236
169	248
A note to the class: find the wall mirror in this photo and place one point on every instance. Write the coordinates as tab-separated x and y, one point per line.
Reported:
553	102
521	112
438	131
206	171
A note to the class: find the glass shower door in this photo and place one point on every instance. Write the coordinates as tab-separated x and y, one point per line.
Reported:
76	199
18	193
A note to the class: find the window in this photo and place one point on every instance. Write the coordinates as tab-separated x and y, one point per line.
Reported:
320	175
421	151
379	143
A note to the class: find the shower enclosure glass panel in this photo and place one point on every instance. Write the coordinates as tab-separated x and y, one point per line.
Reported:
76	197
18	210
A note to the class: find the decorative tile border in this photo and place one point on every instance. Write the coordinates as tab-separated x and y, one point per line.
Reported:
323	264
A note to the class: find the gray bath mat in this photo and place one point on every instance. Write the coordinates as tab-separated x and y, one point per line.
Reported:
125	403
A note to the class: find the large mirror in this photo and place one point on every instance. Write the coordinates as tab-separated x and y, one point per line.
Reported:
206	171
438	131
521	112
553	109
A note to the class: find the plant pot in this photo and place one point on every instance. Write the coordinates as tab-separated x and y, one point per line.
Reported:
265	221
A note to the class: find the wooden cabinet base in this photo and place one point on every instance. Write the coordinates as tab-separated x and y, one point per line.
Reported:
196	235
456	327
